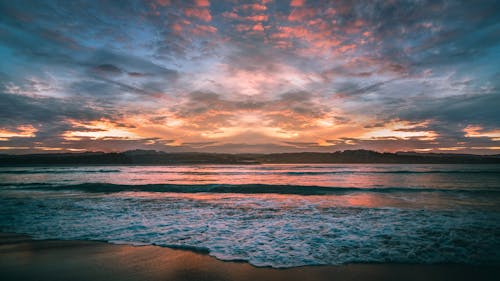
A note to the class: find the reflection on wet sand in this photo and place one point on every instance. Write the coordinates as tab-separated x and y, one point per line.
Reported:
96	261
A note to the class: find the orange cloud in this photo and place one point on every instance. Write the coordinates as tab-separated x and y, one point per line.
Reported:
318	22
346	48
292	32
230	15
258	27
401	130
319	41
283	44
181	25
297	3
301	14
202	3
201	14
235	16
452	148
257	18
330	12
242	27
355	27
25	131
163	2
255	7
486	147
177	28
474	131
201	29
98	129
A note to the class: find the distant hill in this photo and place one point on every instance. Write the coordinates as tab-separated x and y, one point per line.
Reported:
151	157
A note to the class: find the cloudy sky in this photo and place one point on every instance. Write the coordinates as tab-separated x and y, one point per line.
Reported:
250	76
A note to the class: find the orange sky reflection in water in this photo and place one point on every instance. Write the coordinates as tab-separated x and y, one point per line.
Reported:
356	176
280	202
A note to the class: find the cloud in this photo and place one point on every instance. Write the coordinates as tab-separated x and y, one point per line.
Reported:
474	131
301	14
297	3
202	3
164	2
108	69
255	7
23	131
283	75
201	14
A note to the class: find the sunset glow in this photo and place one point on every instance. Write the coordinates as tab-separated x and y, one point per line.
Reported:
250	76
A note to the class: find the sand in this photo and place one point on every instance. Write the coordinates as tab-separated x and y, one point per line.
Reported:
22	258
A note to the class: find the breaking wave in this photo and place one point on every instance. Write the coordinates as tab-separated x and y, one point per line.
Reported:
236	188
58	171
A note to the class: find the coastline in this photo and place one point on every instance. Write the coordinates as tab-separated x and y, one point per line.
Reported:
22	258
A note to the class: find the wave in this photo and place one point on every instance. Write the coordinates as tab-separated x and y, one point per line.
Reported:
391	172
248	172
64	171
236	188
278	172
311	173
438	172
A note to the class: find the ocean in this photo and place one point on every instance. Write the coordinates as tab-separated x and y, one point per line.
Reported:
268	215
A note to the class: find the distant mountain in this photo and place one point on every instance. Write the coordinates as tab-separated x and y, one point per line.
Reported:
151	157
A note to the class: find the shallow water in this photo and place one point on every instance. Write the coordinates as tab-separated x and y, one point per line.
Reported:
269	215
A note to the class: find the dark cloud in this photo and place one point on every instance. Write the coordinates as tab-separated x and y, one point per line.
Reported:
108	69
19	109
459	111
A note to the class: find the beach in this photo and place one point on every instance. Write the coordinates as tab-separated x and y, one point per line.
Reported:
22	258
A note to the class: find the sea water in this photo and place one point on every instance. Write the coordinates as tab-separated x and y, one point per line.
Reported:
268	215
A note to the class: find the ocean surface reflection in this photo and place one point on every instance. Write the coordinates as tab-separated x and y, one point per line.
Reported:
268	215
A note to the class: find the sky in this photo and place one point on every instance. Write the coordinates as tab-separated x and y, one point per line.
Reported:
250	76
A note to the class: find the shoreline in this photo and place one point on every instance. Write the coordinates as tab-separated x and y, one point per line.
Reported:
22	258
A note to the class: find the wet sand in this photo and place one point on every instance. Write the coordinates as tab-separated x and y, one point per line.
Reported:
22	258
